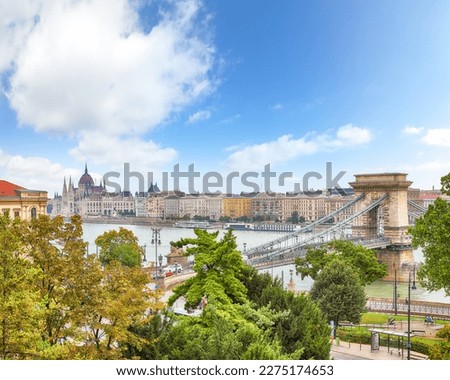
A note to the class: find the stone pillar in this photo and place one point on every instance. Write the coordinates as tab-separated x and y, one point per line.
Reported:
399	258
394	209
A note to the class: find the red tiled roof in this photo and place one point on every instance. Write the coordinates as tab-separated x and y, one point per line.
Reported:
7	189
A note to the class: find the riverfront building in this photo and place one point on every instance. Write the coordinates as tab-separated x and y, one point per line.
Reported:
19	202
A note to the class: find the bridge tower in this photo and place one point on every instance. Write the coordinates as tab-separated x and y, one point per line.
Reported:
390	219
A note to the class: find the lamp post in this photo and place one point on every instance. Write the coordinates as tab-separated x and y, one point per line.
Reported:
160	259
144	255
156	240
245	246
413	287
395	291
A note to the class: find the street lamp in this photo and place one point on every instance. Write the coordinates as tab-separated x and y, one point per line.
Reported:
395	291
413	287
156	240
144	258
160	259
245	246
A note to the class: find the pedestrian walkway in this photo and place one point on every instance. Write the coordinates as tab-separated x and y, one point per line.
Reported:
364	351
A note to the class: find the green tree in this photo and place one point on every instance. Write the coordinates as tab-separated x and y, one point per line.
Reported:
361	259
121	245
339	293
294	219
297	321
431	232
445	184
219	270
299	325
20	307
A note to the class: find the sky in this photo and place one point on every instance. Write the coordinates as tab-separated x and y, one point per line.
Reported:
225	86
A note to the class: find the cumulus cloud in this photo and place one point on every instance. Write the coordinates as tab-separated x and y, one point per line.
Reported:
437	137
113	152
33	172
410	130
89	65
286	148
199	116
17	19
89	69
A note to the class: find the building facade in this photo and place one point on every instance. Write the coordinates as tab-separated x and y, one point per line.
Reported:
19	202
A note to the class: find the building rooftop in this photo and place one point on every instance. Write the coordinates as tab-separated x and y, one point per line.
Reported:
8	189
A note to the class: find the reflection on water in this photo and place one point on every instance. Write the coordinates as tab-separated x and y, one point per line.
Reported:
251	239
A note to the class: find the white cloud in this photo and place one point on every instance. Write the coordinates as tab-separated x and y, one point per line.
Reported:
199	116
277	106
437	137
410	130
113	152
87	67
16	22
349	135
35	173
286	148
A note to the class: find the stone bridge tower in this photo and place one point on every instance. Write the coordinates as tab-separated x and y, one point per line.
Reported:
390	219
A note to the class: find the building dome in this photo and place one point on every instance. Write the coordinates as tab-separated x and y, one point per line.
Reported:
85	180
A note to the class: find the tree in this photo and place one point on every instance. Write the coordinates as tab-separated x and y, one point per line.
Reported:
299	325
339	293
121	245
20	307
67	277
219	267
121	303
294	219
361	259
297	321
445	184
432	233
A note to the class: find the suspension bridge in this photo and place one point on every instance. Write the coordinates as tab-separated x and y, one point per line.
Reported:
377	218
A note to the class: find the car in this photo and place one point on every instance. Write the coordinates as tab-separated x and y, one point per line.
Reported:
174	268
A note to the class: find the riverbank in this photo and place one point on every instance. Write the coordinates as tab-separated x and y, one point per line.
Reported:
129	220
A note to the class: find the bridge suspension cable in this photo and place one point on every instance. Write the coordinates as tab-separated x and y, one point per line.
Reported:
305	229
297	249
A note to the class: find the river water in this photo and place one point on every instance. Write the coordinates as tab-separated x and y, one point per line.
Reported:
250	239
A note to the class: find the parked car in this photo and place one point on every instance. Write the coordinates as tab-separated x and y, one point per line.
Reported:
174	268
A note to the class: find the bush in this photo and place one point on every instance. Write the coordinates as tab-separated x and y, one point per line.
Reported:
444	332
361	335
354	335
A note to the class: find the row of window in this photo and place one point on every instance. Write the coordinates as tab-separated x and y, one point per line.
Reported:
7	212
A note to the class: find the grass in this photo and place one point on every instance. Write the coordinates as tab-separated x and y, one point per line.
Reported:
380	318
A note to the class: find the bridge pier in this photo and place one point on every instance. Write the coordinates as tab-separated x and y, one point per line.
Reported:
398	258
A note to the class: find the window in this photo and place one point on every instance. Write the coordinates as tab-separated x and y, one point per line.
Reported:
33	213
16	214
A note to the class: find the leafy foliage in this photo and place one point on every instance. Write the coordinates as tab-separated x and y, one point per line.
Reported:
299	325
432	233
444	332
57	302
361	259
338	292
219	267
20	308
122	246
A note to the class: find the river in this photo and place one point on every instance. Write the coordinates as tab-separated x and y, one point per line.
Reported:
250	239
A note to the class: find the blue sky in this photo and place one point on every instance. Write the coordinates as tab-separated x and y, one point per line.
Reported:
225	85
